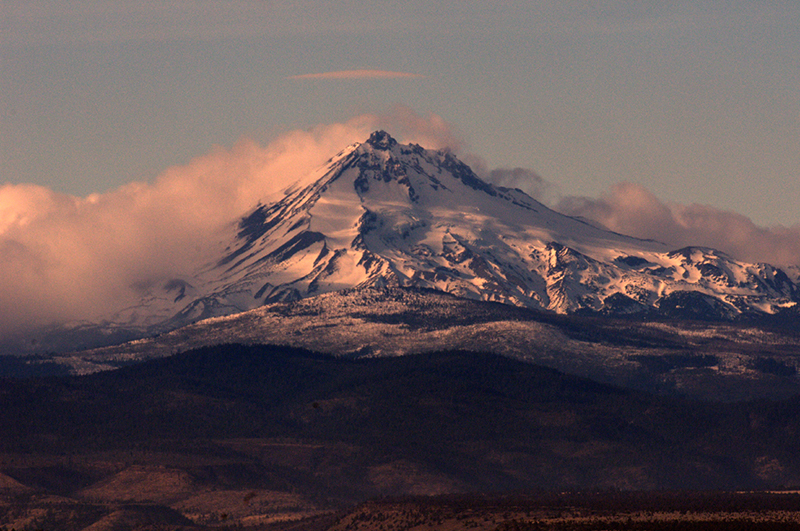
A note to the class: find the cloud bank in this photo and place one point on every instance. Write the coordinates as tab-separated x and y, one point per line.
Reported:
631	209
66	258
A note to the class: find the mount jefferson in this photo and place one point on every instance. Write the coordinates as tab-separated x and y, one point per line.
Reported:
384	214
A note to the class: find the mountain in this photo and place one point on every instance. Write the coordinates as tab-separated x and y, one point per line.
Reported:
383	214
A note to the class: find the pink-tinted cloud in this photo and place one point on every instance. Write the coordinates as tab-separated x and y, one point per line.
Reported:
358	74
631	209
428	130
68	258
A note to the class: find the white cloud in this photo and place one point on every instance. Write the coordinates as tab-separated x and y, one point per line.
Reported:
66	258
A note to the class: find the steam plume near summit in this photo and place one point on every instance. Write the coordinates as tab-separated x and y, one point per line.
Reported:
66	258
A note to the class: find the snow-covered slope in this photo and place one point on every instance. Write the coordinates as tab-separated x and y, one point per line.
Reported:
385	214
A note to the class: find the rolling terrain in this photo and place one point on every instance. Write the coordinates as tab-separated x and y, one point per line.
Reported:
263	433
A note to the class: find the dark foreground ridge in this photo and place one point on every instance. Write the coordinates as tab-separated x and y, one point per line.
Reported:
727	362
297	433
579	511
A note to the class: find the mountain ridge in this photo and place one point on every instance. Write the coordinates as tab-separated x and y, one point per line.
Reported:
385	214
716	361
381	213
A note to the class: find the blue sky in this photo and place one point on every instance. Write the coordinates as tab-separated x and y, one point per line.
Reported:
698	102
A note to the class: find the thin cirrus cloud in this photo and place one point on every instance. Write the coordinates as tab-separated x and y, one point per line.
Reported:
358	74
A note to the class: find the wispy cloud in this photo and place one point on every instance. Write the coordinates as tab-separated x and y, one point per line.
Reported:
359	74
631	209
66	258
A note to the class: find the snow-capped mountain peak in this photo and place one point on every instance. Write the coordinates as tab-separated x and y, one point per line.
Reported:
382	213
